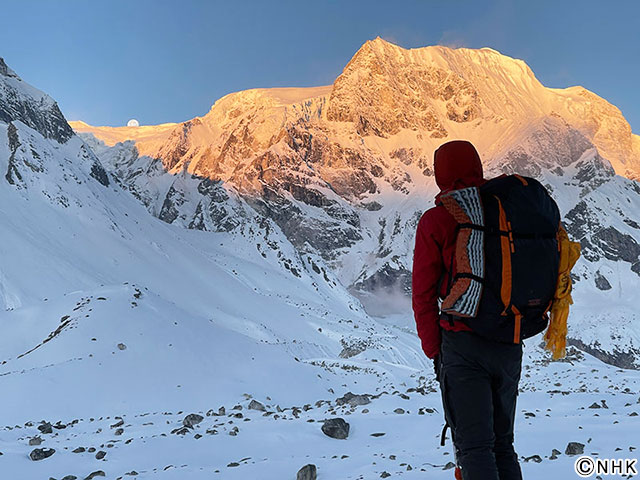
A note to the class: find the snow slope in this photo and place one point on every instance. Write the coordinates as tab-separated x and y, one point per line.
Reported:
63	251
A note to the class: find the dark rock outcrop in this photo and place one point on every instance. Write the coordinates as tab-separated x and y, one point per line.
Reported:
41	453
97	473
336	428
255	405
43	115
601	282
308	472
574	448
623	359
45	427
192	419
353	400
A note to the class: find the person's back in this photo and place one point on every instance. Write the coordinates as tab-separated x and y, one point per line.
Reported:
478	376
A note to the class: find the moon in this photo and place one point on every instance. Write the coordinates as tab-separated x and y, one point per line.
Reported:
133	123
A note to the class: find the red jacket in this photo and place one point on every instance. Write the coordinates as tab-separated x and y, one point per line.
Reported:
456	165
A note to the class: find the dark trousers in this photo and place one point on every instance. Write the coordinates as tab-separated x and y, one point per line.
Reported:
479	384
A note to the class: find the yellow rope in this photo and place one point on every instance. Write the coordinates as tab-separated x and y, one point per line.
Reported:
556	335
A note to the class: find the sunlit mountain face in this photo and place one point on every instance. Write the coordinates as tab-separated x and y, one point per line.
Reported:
345	170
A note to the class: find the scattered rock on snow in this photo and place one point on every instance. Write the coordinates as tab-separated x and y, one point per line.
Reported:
35	441
101	454
118	424
308	472
192	419
122	346
255	405
41	453
574	448
601	282
59	425
533	458
423	410
180	431
45	427
353	400
92	475
336	428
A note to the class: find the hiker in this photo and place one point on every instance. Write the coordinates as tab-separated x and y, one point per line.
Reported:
471	329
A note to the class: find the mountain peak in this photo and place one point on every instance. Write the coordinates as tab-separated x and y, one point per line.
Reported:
381	43
429	93
20	101
5	71
381	55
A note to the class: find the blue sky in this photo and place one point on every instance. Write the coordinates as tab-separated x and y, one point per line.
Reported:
161	61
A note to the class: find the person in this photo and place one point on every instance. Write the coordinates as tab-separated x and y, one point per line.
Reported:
478	376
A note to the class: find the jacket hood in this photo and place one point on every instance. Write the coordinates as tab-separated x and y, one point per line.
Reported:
456	165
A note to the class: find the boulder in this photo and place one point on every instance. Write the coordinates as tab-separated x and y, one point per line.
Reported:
192	419
255	405
353	400
336	428
574	448
41	453
308	472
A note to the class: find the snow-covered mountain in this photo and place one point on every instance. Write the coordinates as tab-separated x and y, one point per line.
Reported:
107	310
345	170
135	348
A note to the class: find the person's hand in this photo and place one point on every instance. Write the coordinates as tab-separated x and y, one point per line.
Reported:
436	367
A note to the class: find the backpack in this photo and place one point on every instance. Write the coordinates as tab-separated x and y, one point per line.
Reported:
505	273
